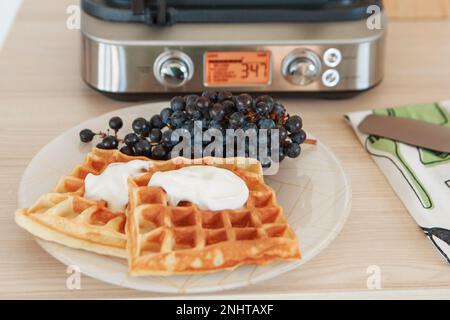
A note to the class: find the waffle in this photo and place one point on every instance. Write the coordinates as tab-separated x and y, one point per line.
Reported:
164	240
65	217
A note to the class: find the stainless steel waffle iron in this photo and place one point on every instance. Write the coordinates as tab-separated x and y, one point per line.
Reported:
131	49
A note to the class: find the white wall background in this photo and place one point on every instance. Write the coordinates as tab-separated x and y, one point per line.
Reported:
8	10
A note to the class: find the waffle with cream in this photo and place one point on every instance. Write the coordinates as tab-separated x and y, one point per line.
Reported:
184	239
67	217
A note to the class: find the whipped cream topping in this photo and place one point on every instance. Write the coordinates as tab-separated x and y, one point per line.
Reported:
208	187
112	184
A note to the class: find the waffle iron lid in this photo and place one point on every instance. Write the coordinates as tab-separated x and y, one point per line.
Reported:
169	12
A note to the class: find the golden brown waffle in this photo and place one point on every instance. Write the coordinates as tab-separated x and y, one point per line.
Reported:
168	240
65	217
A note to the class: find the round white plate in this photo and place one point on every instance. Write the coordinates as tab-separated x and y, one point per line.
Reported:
312	189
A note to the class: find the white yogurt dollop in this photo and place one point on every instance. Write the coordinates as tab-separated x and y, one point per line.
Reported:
112	184
208	187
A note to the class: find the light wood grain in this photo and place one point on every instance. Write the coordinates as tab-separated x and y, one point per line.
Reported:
42	95
417	9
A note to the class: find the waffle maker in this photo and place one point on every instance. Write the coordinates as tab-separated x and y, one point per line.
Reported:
135	48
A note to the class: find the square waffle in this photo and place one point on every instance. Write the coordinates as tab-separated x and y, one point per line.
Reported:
165	240
65	217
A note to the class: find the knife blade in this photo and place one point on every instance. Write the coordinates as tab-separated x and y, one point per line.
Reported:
410	131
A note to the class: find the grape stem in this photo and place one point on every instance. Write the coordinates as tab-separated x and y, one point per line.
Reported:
102	134
310	141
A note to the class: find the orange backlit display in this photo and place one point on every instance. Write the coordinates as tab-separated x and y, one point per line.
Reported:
237	68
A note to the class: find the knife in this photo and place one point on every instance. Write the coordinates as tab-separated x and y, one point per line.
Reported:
413	132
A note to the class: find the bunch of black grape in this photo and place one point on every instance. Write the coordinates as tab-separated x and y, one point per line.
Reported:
153	138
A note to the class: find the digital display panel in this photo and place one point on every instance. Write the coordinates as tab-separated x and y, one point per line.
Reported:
233	68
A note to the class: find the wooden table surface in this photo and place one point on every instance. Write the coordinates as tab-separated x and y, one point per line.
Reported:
42	95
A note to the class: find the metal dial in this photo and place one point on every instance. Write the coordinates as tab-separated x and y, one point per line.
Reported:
173	69
301	67
174	72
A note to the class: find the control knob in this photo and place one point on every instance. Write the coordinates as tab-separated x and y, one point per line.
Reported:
301	67
173	68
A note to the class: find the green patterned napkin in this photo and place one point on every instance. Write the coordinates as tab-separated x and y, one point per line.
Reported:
420	177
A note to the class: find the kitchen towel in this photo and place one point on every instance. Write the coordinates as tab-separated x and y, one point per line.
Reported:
420	177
